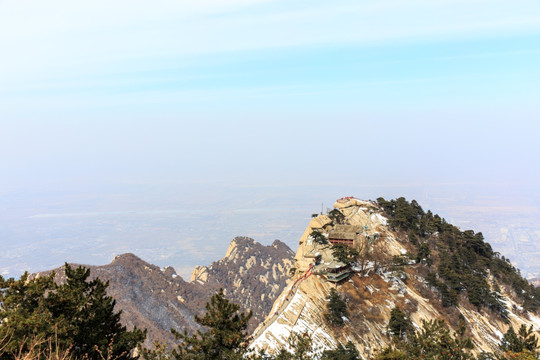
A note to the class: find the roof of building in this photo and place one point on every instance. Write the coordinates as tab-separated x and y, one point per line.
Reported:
335	265
348	228
341	235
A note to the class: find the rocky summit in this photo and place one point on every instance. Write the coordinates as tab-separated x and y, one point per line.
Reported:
392	271
251	274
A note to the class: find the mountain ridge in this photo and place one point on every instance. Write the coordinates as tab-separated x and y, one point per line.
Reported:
387	275
159	299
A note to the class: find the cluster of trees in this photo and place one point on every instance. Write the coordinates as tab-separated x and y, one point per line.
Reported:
76	317
458	261
344	253
77	320
434	341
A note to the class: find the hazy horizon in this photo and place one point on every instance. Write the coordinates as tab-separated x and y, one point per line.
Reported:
188	226
131	126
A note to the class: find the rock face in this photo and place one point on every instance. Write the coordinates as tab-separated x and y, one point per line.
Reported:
157	299
251	274
370	292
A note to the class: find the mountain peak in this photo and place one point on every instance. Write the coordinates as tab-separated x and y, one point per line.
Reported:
278	244
389	272
127	258
239	243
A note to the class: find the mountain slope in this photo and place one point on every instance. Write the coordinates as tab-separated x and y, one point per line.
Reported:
393	270
159	299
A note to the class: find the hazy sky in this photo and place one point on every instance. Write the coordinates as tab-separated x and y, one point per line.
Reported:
267	92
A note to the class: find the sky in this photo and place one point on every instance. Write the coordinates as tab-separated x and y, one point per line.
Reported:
97	95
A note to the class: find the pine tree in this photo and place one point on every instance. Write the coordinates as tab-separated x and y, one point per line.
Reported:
336	309
301	347
226	337
78	315
336	216
24	313
94	328
318	237
524	340
432	342
347	352
399	324
344	253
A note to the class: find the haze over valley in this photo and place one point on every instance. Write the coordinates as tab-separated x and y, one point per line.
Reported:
185	226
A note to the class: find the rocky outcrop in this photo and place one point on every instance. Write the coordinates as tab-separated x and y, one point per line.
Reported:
371	292
251	274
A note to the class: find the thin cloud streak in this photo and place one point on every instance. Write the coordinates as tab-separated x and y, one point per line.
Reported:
52	42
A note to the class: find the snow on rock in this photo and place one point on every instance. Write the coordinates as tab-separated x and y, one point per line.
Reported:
301	316
372	292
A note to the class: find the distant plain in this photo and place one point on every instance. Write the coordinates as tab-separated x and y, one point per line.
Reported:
188	225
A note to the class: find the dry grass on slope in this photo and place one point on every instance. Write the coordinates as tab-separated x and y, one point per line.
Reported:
41	349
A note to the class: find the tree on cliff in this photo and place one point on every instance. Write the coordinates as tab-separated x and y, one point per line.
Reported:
344	253
318	237
336	309
336	216
399	324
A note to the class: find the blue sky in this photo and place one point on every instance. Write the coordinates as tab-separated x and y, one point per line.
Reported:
247	90
99	96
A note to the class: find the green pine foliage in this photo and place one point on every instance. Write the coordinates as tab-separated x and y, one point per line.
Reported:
344	253
300	348
399	324
460	261
336	216
336	309
423	254
318	237
448	295
347	352
523	340
225	338
433	342
78	315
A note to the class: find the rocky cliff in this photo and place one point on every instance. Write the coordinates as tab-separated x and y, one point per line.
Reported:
157	299
385	276
251	274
